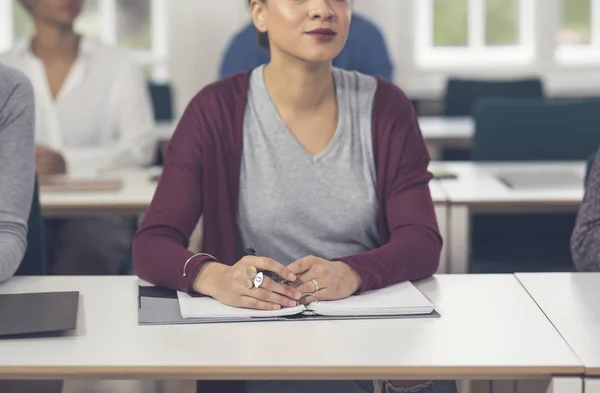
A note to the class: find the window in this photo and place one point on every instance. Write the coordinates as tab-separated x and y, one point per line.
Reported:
474	31
138	25
578	39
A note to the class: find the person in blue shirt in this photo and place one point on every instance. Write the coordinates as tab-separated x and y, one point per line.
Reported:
365	51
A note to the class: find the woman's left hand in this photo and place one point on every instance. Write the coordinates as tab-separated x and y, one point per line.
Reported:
335	280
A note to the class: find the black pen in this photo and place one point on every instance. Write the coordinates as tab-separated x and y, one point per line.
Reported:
252	252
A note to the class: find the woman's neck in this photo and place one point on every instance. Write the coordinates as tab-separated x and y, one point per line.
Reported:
51	41
299	85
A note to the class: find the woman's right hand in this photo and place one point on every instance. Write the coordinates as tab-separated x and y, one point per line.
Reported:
227	284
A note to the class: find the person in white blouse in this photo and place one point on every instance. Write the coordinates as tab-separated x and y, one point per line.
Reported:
93	114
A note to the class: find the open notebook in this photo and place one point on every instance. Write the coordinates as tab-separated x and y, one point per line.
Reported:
402	299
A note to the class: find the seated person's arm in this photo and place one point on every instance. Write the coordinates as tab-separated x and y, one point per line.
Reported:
17	121
414	246
585	242
160	246
135	144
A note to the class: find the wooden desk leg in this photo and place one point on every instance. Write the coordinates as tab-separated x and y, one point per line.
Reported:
566	385
459	234
592	385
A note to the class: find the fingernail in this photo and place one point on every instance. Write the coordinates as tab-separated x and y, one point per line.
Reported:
291	304
275	306
297	295
292	277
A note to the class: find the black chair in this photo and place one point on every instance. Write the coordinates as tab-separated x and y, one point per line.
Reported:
463	94
34	261
162	101
535	130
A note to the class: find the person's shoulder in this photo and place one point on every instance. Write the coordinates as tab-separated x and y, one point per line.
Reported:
226	92
13	82
390	97
363	23
246	33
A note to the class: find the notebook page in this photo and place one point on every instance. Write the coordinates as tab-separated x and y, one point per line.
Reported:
206	307
398	299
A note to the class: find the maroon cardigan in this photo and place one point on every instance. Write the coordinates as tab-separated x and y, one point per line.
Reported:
201	176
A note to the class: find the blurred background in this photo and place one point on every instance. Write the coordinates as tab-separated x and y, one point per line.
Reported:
182	41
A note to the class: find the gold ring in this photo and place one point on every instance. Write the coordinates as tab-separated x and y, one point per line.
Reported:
251	272
249	284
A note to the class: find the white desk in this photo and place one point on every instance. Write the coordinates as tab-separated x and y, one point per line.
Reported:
477	189
440	132
133	198
570	301
489	328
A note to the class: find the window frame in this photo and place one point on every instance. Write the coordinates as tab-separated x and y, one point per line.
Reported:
582	55
475	54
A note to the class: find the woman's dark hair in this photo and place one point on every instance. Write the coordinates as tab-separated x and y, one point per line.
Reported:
261	38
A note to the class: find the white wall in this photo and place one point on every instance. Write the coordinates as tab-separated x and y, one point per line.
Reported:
199	31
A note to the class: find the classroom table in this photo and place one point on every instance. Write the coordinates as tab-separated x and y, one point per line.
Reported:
477	189
489	328
133	198
571	303
442	132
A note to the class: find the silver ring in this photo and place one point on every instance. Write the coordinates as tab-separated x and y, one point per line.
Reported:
307	295
258	280
316	285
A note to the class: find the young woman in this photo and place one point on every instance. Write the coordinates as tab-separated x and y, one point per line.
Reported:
322	171
93	113
17	120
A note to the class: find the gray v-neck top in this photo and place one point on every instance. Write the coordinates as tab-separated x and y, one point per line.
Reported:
292	204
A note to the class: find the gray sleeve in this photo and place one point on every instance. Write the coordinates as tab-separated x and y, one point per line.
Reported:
17	122
585	242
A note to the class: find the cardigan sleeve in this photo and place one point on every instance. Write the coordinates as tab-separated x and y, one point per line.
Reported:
585	241
411	242
160	245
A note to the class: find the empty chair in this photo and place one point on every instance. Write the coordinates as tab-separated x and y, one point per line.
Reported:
535	130
463	94
162	101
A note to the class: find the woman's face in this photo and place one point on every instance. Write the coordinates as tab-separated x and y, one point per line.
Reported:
309	30
58	12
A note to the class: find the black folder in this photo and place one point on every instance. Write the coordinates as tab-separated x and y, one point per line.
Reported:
33	313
